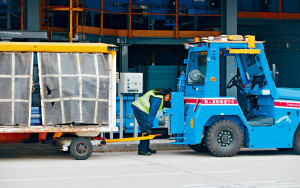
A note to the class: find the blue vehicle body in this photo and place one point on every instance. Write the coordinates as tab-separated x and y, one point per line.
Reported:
270	118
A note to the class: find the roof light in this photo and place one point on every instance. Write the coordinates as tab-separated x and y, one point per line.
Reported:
235	38
196	39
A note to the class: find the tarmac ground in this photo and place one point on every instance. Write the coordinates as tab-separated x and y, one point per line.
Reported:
48	167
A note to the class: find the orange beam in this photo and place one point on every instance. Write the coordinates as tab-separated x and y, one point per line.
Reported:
79	9
148	33
129	31
71	22
48	16
82	21
22	15
101	19
55	29
76	17
198	33
290	16
268	15
280	15
176	20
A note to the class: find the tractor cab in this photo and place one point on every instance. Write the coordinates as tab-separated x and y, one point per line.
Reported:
254	78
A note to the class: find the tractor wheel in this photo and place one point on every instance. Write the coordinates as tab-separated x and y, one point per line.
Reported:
199	147
81	148
224	138
296	144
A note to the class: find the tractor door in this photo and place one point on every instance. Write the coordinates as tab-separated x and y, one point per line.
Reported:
196	74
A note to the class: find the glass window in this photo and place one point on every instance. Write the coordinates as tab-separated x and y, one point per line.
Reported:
252	65
197	68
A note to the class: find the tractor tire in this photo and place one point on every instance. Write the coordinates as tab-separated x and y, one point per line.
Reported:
200	148
81	148
224	138
296	144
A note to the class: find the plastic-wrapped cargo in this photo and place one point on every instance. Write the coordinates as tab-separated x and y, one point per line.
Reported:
74	88
15	84
77	87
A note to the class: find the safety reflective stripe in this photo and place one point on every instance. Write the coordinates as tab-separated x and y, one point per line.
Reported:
143	102
137	104
147	103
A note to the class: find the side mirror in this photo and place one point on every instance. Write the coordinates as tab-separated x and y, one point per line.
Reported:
186	61
275	73
195	75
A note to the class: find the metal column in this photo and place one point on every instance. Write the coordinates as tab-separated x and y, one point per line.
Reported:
32	15
136	125
229	27
124	57
121	116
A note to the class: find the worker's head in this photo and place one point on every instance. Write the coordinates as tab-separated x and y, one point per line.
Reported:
164	92
167	97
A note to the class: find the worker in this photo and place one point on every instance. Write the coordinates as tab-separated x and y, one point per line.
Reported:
145	109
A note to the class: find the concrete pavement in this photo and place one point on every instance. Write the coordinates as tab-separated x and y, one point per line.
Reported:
39	148
177	168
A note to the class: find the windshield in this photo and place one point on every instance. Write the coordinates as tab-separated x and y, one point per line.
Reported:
197	68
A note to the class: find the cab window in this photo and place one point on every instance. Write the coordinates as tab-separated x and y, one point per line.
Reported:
252	65
197	68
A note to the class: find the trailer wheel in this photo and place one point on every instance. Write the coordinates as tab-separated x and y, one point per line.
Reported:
81	148
224	138
296	144
199	147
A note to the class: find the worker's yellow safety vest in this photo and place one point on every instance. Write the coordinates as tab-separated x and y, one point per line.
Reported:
143	103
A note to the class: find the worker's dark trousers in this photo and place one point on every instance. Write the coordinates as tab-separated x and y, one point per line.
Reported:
141	118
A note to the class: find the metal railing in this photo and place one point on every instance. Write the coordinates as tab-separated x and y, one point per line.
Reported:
75	28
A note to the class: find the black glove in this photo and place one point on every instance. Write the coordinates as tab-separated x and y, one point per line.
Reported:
148	131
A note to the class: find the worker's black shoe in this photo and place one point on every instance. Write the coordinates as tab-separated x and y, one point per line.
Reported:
33	138
47	141
144	153
152	151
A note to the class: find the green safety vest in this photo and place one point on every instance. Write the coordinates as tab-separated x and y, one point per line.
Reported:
143	103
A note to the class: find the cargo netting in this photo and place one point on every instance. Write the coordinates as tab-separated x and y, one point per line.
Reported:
74	88
16	84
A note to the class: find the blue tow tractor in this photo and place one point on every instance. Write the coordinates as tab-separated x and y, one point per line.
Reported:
200	117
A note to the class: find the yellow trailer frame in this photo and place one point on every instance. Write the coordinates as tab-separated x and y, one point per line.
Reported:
60	47
57	47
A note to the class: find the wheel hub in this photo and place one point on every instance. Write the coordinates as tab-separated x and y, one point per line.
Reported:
225	138
81	148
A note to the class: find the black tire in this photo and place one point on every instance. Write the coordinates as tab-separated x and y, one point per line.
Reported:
296	144
224	138
201	148
81	148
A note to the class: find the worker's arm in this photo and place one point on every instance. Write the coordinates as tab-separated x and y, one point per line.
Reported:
154	106
167	104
